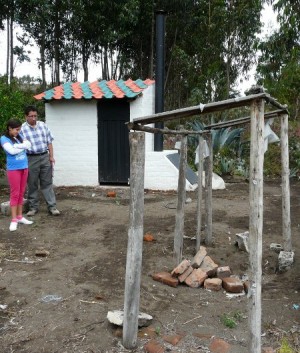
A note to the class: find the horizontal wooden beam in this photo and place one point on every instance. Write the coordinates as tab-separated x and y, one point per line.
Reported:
240	121
206	108
155	130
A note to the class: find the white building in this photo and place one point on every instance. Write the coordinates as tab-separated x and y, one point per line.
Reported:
88	121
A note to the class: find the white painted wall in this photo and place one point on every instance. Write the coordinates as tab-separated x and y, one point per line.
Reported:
143	106
74	126
161	174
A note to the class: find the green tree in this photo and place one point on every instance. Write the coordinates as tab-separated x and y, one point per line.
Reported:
279	63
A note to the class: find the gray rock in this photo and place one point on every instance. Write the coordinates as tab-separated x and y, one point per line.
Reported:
285	260
242	241
276	247
116	317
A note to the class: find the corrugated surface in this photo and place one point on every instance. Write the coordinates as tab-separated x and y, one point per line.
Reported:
96	89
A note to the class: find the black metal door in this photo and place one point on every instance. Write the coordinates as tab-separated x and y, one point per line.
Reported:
113	141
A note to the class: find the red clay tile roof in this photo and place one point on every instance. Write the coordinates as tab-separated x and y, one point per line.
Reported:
96	89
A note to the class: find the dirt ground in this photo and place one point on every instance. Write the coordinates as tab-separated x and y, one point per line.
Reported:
59	303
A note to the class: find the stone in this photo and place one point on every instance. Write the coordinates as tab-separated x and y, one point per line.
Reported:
214	284
219	346
181	268
198	258
196	278
203	336
285	260
5	207
166	278
267	350
209	266
276	247
116	317
42	253
242	241
153	346
185	274
233	285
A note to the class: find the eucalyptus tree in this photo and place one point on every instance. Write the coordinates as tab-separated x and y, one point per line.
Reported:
209	44
215	44
279	63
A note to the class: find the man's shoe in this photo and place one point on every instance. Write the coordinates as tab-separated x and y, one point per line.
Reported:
54	211
13	226
23	220
31	213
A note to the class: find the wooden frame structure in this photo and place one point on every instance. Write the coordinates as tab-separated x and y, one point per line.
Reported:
256	102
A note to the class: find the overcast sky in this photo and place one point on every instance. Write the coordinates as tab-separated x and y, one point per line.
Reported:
31	68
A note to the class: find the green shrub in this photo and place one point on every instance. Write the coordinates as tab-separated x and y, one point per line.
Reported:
12	103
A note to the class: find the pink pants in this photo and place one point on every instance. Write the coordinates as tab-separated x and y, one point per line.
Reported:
17	181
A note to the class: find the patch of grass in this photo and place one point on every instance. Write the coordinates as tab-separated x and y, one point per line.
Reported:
285	347
157	330
231	320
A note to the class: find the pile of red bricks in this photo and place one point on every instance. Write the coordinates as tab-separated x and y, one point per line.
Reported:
202	271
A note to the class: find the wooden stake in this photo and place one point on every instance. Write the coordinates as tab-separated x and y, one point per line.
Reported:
135	240
256	223
208	192
199	199
285	184
179	224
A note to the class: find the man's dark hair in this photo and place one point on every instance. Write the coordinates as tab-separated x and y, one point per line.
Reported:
30	108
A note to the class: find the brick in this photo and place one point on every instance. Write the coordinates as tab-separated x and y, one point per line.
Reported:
111	194
214	284
223	272
203	336
198	258
209	266
185	274
173	339
153	347
196	278
183	266
233	285
166	278
147	332
246	286
148	237
219	346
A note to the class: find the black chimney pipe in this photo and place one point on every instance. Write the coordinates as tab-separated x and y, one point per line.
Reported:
159	75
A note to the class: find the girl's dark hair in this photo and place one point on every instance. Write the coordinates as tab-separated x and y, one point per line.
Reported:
13	123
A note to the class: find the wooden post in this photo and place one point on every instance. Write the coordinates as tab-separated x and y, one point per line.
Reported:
285	184
256	223
179	224
208	192
135	240
199	199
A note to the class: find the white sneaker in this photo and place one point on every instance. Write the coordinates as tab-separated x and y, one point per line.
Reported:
23	220
13	226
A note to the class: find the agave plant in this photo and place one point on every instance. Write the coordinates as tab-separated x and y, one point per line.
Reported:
225	137
221	138
227	147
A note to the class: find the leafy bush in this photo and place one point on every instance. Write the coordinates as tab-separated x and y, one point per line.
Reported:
12	103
